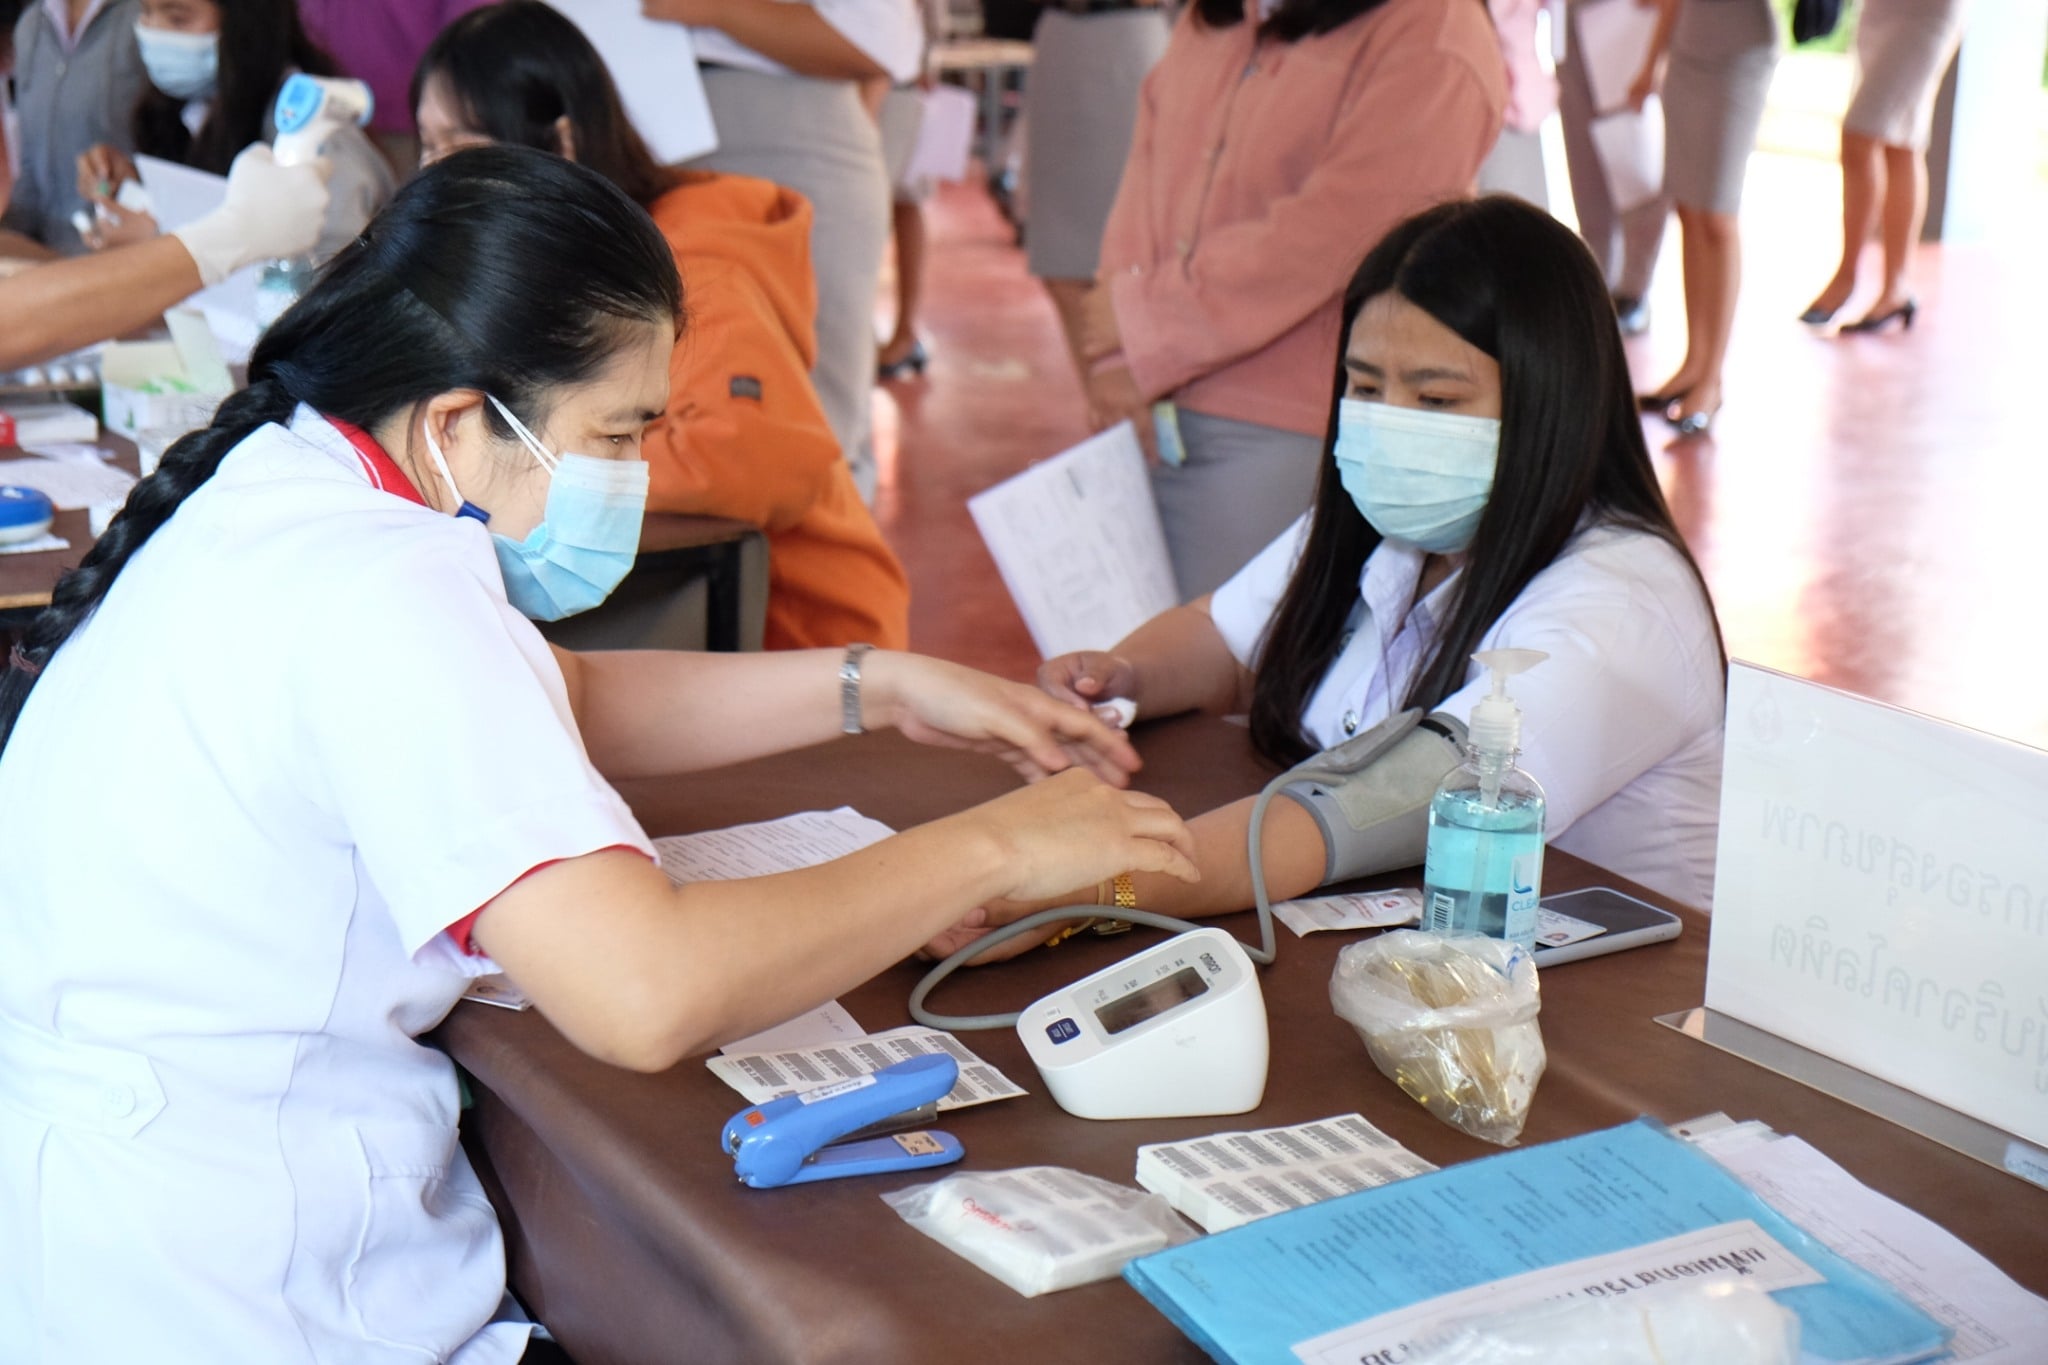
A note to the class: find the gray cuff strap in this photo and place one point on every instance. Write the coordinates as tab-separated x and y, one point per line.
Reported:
1377	819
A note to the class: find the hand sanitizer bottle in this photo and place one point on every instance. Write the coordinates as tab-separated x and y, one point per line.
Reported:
1483	869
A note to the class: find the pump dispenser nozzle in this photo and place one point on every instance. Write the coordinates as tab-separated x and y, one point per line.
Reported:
1496	720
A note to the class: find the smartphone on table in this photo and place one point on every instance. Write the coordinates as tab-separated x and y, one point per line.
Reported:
1596	920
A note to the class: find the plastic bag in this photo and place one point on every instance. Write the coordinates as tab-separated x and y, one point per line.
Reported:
1452	1021
1041	1228
1693	1324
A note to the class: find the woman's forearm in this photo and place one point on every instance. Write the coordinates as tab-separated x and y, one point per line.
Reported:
1182	664
798	37
67	304
1291	847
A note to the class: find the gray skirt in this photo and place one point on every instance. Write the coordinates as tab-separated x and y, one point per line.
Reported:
817	138
1082	101
1722	56
1902	48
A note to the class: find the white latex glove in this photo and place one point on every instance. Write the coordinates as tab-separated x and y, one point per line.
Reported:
271	211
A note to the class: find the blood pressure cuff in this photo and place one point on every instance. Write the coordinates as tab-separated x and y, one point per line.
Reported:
1377	819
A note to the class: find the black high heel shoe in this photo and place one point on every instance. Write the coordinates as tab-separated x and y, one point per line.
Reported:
1818	317
911	362
1877	322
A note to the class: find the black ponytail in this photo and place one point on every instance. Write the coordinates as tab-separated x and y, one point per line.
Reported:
499	269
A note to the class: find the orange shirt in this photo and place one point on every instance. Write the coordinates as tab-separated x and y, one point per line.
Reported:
1261	173
744	436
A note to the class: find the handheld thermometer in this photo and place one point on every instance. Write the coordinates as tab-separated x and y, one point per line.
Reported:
1177	1031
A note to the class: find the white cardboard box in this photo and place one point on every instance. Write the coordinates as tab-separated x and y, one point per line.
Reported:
129	370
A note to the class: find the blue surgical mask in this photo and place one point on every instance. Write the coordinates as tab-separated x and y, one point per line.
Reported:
1418	476
588	536
184	66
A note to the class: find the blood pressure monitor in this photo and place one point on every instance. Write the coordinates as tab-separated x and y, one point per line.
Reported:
1177	1031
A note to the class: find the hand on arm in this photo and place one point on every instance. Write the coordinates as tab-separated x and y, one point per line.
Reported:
1294	857
1175	662
643	974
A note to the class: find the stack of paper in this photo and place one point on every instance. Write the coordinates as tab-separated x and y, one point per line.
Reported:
1231	1178
1367	1276
1995	1321
42	423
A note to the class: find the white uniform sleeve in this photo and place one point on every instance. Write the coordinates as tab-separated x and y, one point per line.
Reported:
440	733
1623	689
1244	605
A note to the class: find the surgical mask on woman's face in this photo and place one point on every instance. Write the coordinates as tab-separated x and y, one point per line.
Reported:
588	535
184	66
1418	476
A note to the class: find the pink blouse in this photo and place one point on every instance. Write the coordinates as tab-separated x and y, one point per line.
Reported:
1261	173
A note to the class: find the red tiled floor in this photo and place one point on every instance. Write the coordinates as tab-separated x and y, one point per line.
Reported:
1868	514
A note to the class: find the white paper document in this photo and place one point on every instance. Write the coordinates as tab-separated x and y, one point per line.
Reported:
945	136
181	195
771	846
1631	147
1996	1322
1350	910
654	64
1226	1179
1614	37
1765	1263
41	545
1078	542
72	484
831	1022
764	1076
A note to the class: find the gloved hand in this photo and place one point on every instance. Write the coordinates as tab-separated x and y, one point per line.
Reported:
271	211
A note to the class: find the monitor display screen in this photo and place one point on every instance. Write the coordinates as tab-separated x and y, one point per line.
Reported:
1149	1001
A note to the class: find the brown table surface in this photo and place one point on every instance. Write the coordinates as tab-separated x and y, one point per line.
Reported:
628	1234
26	581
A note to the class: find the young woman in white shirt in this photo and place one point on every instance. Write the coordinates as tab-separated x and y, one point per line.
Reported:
285	764
1486	486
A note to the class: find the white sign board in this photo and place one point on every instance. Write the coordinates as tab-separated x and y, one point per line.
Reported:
654	64
1881	895
1078	543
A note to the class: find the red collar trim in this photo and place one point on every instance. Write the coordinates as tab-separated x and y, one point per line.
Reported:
380	469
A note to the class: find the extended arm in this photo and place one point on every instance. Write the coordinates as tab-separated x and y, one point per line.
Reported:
656	712
642	974
67	304
796	35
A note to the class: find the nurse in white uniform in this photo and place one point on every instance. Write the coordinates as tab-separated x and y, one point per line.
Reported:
286	763
1487	487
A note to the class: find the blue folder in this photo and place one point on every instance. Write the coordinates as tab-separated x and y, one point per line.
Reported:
1247	1296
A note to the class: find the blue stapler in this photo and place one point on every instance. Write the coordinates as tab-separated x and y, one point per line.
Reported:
826	1133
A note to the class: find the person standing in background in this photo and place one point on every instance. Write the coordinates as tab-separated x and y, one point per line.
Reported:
783	80
379	42
77	76
1902	48
1275	144
1515	165
1624	243
1722	53
1081	101
899	110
